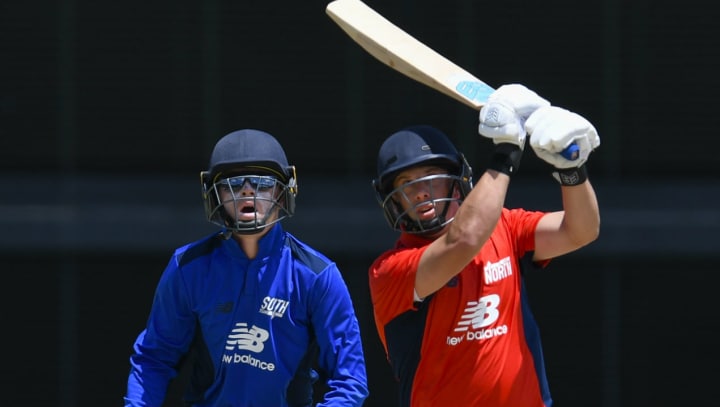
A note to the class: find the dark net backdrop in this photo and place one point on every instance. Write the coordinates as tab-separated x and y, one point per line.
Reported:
109	110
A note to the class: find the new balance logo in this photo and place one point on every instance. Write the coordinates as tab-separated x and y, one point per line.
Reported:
476	320
480	313
274	307
242	337
250	339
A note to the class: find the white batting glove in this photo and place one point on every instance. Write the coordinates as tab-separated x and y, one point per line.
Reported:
552	129
502	119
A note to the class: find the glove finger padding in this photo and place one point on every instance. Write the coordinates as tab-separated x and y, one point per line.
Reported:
501	124
552	129
518	98
502	119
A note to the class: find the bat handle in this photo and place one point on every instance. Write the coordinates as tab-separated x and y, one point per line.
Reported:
571	152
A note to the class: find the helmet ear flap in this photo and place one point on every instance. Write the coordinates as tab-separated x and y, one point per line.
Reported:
378	191
391	208
466	175
214	211
292	180
205	182
205	185
291	191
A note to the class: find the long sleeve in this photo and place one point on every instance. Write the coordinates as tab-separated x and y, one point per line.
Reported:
160	346
338	335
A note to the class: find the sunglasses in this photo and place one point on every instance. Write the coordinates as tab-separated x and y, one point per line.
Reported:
257	182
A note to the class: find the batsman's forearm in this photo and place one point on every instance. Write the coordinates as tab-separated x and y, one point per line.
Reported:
582	212
474	222
480	211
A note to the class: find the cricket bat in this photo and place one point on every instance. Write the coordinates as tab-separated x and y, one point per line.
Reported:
399	50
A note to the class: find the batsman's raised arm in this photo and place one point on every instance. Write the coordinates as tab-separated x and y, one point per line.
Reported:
551	129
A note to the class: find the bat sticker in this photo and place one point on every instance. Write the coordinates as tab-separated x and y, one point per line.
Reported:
474	90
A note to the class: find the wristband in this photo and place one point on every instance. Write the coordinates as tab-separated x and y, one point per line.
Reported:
570	176
506	158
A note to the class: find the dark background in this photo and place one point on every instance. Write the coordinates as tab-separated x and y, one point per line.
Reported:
109	110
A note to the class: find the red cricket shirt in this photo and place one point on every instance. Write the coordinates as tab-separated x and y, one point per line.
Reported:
474	342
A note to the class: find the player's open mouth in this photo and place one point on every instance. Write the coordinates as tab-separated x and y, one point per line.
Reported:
247	211
425	211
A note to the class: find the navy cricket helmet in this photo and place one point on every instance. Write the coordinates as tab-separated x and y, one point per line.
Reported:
419	145
250	150
252	156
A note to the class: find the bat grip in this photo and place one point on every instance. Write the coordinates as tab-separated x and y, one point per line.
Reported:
571	152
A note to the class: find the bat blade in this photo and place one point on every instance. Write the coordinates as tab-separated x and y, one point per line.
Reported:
404	53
